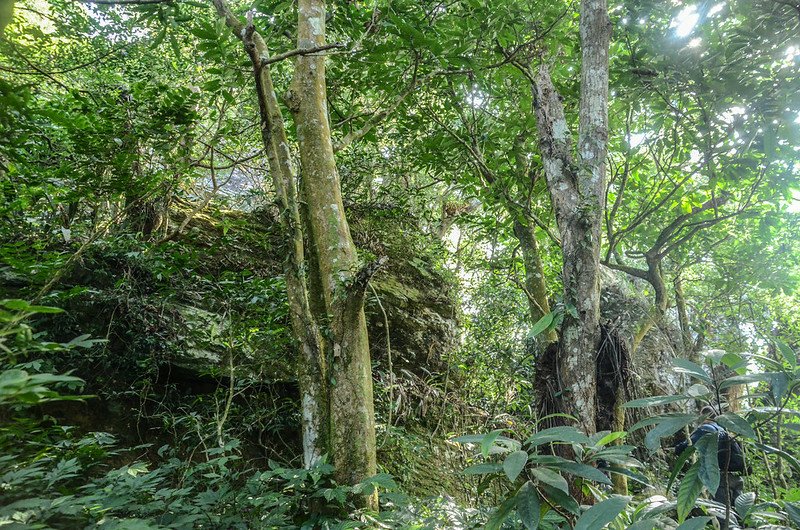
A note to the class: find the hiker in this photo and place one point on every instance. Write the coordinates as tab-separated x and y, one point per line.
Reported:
729	456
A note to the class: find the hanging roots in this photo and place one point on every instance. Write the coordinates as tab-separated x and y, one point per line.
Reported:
613	381
613	378
547	387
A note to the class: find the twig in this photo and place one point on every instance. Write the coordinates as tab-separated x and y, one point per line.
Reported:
40	71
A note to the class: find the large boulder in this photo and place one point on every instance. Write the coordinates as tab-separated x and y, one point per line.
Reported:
178	307
419	306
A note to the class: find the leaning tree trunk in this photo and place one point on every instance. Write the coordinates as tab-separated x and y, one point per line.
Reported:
311	365
577	189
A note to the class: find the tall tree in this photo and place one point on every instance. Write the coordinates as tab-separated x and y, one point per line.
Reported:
324	282
577	189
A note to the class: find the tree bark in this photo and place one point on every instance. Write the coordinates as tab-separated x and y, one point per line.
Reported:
311	366
683	316
334	372
577	190
352	424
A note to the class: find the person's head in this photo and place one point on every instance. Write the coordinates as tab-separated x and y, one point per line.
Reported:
709	411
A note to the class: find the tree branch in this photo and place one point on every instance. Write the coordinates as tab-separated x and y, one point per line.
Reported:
126	2
299	51
555	141
377	117
633	271
355	291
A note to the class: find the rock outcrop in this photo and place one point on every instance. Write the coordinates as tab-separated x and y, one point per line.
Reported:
180	311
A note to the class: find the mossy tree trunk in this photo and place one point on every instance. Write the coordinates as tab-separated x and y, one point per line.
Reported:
352	426
334	371
535	287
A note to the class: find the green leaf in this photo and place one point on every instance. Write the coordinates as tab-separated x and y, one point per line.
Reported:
546	460
559	498
654	401
6	14
157	42
499	516
176	47
744	503
16	304
83	341
645	524
13	377
745	379
685	366
793	511
542	324
514	464
44	309
695	523
551	478
469	438
781	453
564	434
708	447
679	463
779	384
735	362
770	141
488	441
776	366
555	415
584	471
638	477
697	390
788	353
666	427
689	490
610	437
380	480
482	469
504	443
734	423
601	514
528	505
204	31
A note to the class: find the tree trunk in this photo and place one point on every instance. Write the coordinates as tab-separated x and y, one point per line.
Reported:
683	316
352	423
311	365
535	288
335	372
577	190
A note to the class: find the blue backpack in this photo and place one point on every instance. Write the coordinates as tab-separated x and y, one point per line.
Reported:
729	453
